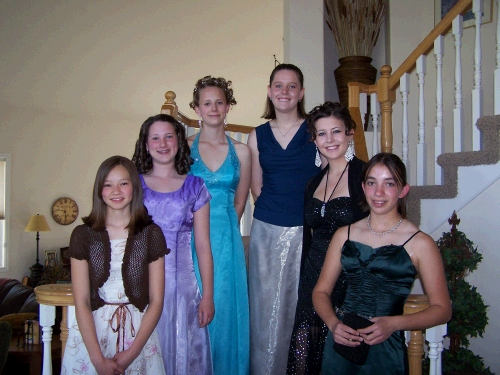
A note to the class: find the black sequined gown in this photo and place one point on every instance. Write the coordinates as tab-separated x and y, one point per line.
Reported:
309	332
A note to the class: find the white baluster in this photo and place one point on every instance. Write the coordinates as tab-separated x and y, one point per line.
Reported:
71	316
477	92
434	336
246	219
438	131
497	69
458	111
47	320
421	146
404	88
375	111
439	363
363	106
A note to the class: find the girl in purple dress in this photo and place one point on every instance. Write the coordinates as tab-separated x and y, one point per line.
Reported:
179	202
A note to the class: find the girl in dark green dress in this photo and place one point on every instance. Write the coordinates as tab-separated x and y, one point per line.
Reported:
381	256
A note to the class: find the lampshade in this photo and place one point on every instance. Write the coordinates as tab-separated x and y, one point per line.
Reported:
37	223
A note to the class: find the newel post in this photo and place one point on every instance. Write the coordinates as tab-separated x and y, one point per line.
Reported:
386	97
169	107
415	303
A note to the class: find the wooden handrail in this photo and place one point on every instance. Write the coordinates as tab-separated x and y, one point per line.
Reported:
387	84
354	89
427	44
170	108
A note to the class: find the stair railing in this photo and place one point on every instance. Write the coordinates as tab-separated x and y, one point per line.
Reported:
383	92
383	96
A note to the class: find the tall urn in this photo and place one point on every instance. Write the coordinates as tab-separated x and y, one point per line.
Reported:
353	69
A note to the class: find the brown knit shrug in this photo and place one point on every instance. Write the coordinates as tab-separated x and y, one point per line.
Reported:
140	250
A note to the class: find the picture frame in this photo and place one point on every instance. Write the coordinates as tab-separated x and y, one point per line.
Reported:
64	258
50	258
442	7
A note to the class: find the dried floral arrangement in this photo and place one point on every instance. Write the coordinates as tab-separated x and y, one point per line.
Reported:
355	25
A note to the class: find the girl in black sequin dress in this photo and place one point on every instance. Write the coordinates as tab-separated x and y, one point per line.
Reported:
331	201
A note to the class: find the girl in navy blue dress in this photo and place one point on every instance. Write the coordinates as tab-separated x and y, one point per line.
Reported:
283	160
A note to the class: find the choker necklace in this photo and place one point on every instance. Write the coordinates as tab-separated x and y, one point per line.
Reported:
288	131
326	188
380	234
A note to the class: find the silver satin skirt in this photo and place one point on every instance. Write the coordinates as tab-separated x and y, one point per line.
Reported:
273	279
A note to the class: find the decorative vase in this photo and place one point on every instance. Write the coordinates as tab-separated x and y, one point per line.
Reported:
353	69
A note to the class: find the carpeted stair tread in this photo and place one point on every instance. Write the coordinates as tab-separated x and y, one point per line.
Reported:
490	154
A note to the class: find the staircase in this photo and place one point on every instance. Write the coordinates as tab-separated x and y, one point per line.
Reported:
465	181
465	176
431	204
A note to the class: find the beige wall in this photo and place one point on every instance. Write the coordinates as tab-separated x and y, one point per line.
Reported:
303	22
79	78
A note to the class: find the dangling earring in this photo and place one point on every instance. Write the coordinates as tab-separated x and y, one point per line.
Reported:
349	154
317	161
200	123
225	122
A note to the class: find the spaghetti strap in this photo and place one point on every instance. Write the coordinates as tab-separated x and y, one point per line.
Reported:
349	232
413	235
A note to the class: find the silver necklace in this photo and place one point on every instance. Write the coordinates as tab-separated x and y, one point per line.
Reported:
380	234
288	131
326	188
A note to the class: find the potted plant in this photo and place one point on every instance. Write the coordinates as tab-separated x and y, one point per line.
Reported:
57	272
355	26
469	317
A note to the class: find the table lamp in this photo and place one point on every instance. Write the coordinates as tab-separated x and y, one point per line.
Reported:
37	224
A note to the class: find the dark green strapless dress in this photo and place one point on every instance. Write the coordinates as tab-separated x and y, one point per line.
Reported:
378	282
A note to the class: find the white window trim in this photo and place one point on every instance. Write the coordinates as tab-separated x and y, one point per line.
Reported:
4	247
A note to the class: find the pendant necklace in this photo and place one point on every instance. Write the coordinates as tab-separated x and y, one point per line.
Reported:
326	188
288	131
380	234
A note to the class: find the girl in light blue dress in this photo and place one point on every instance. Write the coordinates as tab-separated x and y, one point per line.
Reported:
224	164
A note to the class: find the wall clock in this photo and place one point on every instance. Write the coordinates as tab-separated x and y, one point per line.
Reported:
64	211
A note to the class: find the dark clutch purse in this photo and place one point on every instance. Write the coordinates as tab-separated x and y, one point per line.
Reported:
355	354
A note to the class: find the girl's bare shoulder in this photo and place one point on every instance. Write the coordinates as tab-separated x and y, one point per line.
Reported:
241	148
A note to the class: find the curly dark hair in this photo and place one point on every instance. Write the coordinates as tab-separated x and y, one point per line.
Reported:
143	160
329	109
209	81
270	111
396	168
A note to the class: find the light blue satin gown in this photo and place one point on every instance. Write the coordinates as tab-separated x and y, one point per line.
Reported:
230	329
